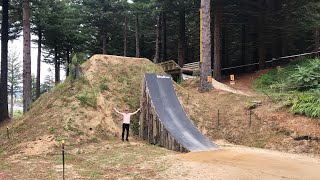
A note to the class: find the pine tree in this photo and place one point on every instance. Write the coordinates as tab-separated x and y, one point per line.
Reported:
206	46
4	62
15	78
27	89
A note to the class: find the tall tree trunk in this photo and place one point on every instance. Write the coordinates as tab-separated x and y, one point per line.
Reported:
206	46
217	42
317	40
39	63
243	44
27	82
225	48
163	37
276	36
11	86
104	40
261	41
11	101
125	41
68	62
158	41
4	62
104	44
137	36
182	38
56	65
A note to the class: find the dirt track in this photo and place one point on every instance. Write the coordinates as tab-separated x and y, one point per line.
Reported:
237	162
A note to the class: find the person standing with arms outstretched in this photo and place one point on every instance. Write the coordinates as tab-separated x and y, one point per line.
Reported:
126	121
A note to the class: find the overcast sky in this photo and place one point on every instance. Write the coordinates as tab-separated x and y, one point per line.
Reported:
17	47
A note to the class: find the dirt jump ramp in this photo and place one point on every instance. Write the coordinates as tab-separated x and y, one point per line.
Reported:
163	120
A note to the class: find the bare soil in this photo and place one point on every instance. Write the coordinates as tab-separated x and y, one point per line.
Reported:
222	115
237	162
137	160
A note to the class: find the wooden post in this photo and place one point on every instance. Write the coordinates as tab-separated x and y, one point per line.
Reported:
250	114
8	135
142	107
218	118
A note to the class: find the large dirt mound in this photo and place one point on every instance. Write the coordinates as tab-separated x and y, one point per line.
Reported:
81	111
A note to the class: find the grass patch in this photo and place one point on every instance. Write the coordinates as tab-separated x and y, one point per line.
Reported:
17	113
88	98
4	165
71	126
52	130
93	140
92	174
103	85
250	105
50	173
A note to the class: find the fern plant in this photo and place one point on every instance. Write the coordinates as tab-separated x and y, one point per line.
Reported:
306	77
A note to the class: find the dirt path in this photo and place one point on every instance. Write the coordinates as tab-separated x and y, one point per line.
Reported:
244	82
238	162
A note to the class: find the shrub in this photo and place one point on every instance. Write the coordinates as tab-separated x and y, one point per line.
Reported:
103	85
307	104
88	98
306	77
250	105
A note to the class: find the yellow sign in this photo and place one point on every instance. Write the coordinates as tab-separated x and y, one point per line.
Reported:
62	142
232	79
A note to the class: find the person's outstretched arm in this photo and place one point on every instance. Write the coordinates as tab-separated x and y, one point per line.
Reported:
135	112
117	111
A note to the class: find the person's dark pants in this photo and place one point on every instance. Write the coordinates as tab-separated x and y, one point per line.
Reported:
125	127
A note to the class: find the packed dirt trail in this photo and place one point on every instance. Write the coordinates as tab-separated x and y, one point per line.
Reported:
239	162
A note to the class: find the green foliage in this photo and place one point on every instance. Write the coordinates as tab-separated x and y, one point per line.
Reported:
250	105
93	140
307	104
17	113
71	126
121	79
91	174
52	130
103	85
297	84
14	73
88	98
306	77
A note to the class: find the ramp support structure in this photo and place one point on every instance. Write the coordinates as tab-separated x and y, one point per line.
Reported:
151	129
163	121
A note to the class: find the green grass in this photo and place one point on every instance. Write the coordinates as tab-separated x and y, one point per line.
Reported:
50	174
272	81
17	113
104	85
88	98
91	174
4	165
